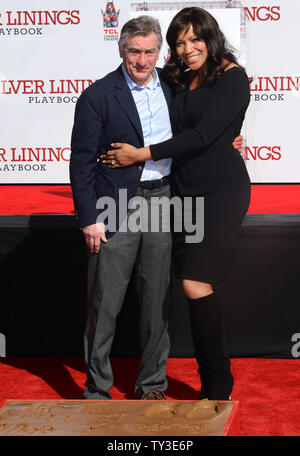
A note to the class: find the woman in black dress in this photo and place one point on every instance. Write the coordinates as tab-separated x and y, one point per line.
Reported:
208	112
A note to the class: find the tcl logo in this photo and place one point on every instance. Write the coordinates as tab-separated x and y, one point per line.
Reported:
111	31
263	13
262	153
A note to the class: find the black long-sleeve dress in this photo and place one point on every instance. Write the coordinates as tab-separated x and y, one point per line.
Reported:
205	122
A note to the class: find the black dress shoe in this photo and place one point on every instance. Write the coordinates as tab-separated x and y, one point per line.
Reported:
222	391
218	391
154	395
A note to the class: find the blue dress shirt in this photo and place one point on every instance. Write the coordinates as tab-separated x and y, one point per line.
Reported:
155	120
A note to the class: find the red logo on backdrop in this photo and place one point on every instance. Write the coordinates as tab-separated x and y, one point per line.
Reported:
110	15
110	22
30	22
263	13
273	88
46	91
28	159
262	153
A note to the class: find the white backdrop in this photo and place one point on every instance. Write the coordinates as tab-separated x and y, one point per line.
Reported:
51	50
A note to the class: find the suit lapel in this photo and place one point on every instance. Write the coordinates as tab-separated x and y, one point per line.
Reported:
125	99
123	95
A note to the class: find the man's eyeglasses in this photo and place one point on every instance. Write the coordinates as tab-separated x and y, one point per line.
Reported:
138	52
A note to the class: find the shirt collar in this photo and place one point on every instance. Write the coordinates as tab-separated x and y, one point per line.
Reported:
153	84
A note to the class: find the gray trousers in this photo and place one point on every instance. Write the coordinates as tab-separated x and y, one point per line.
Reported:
109	273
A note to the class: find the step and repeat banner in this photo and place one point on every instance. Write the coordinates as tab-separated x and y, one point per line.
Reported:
51	50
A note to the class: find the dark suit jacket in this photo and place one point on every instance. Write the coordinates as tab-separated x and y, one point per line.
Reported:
105	113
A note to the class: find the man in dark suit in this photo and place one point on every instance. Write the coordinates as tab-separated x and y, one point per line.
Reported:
128	105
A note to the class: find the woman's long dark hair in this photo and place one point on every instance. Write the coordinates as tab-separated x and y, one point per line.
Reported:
204	27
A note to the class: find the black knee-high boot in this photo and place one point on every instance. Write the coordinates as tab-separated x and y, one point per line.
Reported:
207	325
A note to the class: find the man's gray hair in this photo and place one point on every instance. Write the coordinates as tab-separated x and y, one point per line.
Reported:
142	25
